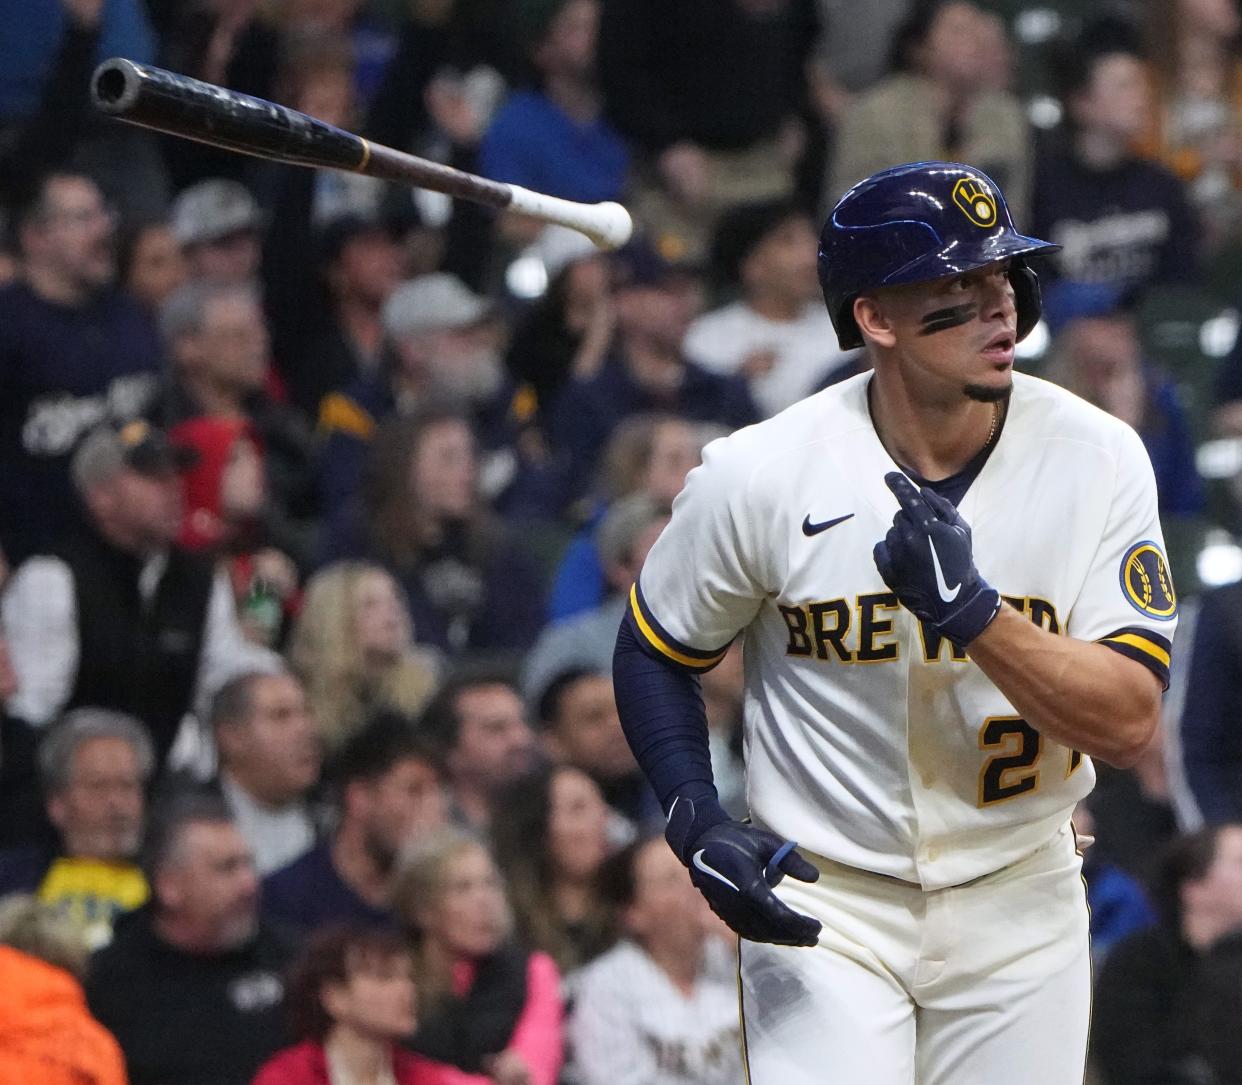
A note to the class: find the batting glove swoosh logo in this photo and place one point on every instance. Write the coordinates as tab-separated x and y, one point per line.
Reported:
697	859
946	593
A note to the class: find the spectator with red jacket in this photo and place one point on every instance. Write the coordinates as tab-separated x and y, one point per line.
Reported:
226	495
351	998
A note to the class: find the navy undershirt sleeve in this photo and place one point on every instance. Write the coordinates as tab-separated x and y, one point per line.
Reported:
662	714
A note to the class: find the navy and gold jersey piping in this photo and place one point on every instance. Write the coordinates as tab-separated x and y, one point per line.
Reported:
655	636
1143	646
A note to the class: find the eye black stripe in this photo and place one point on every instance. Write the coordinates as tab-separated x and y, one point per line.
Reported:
939	320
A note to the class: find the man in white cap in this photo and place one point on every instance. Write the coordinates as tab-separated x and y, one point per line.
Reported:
442	343
220	226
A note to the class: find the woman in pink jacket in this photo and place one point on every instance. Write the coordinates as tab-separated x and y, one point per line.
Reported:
486	1005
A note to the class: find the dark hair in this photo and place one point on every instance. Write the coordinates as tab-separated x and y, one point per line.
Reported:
549	706
394	522
1071	63
912	32
333	955
440	722
743	229
618	882
387	738
1186	859
520	837
29	202
522	849
234	701
169	820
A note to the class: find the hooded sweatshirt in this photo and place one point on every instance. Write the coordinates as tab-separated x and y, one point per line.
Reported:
47	1035
211	439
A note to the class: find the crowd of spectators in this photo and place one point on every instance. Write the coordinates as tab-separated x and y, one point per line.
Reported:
320	500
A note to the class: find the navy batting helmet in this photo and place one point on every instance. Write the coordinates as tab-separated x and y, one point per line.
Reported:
918	222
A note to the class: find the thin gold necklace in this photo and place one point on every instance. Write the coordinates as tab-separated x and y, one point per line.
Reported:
997	412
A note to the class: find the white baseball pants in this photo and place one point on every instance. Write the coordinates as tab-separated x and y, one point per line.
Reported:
972	985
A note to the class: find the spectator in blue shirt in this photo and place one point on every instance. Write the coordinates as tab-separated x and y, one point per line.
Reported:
1211	737
74	351
387	789
553	137
1118	905
35	56
1098	355
646	369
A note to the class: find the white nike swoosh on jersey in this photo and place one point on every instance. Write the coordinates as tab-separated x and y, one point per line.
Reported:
698	862
946	593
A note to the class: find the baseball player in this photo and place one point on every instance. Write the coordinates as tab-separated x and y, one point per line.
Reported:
951	582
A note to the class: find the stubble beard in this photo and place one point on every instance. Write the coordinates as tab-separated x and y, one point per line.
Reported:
986	393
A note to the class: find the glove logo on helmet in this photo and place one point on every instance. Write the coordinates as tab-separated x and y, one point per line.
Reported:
973	197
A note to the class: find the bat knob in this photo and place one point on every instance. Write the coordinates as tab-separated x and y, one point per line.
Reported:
607	224
615	226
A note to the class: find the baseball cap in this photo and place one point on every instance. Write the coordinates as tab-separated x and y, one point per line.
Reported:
1067	300
337	232
430	302
640	263
137	446
213	209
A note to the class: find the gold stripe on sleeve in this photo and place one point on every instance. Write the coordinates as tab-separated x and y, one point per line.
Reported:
658	642
1142	644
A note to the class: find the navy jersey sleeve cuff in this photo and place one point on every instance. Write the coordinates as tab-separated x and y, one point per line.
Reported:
1143	646
654	637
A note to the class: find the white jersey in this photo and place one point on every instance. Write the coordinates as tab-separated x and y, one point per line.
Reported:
631	1026
869	740
805	348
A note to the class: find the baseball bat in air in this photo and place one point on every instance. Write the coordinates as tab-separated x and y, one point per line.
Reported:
167	102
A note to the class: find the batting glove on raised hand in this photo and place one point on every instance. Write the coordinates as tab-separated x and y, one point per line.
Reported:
735	865
926	560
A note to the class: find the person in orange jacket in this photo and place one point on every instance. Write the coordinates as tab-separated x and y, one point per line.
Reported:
47	1034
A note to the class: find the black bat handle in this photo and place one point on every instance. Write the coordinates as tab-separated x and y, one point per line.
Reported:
168	102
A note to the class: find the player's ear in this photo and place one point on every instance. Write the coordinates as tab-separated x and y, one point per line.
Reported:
873	320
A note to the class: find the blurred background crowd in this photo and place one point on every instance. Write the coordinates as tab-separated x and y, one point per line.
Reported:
320	499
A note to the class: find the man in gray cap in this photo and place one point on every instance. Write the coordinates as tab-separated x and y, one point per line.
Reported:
442	342
444	339
119	616
220	226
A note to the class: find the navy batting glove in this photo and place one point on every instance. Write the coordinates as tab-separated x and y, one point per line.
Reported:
926	560
735	865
